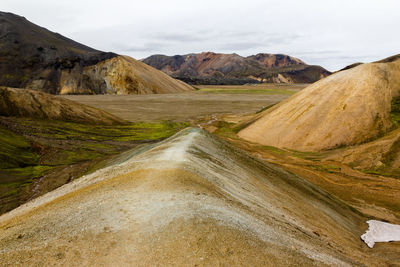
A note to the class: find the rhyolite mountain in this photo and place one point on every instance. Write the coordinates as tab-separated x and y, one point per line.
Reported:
35	58
350	107
217	68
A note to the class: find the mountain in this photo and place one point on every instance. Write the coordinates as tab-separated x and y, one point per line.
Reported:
36	58
38	105
192	199
215	68
349	107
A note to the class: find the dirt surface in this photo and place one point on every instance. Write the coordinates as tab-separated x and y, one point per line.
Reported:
190	200
178	107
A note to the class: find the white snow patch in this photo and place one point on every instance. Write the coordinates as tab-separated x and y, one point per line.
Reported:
381	232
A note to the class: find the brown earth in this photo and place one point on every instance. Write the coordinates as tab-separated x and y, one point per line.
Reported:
217	68
191	200
188	106
35	58
349	107
29	103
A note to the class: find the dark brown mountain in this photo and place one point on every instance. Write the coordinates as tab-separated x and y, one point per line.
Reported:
36	58
216	68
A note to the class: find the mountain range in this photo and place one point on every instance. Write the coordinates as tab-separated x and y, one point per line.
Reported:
217	68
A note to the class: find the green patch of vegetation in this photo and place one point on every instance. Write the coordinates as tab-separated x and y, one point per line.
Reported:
132	132
325	168
274	149
226	129
15	150
31	171
395	112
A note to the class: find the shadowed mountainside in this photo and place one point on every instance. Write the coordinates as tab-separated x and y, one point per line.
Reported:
215	68
35	58
190	199
350	107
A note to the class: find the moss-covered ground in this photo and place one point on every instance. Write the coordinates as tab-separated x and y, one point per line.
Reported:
395	112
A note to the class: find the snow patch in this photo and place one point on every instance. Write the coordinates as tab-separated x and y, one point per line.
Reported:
380	232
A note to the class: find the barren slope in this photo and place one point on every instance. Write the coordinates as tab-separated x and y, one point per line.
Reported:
124	75
28	103
191	200
347	108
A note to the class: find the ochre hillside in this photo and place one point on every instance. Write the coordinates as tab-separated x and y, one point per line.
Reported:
347	108
35	58
38	105
191	199
218	68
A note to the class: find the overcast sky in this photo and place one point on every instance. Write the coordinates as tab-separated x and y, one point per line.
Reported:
330	33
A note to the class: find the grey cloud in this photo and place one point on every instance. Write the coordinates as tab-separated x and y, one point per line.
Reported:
240	46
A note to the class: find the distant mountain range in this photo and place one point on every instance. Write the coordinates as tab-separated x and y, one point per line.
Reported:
217	68
36	58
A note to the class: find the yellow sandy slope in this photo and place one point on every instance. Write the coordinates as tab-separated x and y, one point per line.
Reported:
347	108
192	200
120	75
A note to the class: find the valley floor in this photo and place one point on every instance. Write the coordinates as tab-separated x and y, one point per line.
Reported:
208	100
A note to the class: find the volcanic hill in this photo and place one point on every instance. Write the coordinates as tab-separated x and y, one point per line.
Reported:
349	107
35	58
191	199
216	68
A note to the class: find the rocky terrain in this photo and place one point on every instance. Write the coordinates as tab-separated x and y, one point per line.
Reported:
35	58
347	108
216	68
190	199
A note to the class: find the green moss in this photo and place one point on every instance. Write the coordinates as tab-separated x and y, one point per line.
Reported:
132	132
31	171
395	112
274	149
226	129
15	150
